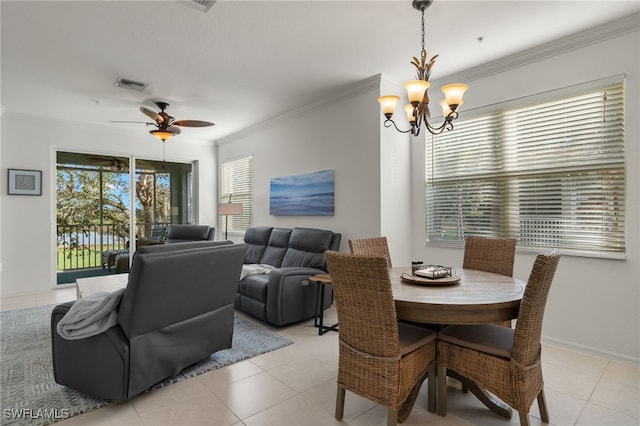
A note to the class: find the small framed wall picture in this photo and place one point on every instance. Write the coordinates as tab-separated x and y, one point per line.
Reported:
25	182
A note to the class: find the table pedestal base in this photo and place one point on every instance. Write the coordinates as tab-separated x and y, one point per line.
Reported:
495	405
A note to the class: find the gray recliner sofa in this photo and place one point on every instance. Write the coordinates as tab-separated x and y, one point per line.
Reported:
285	295
177	309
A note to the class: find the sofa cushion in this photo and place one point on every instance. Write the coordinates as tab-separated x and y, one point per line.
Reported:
488	338
179	233
307	247
277	247
256	238
258	235
254	286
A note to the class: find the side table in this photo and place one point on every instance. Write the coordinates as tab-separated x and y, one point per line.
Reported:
321	280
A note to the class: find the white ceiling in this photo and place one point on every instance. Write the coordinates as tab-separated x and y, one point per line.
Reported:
246	61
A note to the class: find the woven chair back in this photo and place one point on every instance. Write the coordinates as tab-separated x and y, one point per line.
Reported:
490	254
364	301
526	342
375	246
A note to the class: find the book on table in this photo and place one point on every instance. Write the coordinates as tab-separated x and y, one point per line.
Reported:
434	272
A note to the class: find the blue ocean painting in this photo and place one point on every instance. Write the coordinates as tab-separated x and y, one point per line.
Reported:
309	194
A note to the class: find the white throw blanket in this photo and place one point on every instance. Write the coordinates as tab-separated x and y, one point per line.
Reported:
255	268
90	315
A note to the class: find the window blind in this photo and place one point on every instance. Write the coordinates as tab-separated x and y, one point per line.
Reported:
550	174
237	182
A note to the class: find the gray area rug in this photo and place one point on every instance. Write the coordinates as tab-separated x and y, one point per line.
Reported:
29	394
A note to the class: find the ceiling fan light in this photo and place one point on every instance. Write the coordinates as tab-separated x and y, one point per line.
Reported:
163	135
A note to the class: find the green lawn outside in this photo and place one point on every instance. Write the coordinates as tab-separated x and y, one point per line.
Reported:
89	257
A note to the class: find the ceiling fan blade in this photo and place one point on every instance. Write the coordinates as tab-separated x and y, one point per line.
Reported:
152	114
121	121
192	123
175	130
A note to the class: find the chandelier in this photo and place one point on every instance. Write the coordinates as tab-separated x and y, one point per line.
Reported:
417	91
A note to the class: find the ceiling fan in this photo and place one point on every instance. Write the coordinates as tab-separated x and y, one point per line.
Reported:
167	126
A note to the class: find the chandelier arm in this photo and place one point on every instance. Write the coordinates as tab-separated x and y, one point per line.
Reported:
436	130
447	124
448	121
388	122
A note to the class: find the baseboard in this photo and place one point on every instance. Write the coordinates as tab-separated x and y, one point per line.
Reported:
38	291
596	352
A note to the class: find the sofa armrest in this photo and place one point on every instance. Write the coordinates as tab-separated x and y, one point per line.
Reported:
291	296
97	365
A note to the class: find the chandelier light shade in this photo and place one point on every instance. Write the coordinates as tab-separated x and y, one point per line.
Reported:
417	109
416	90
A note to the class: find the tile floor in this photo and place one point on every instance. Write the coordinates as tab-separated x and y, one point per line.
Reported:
296	386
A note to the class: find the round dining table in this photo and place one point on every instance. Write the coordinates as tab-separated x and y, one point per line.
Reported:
476	297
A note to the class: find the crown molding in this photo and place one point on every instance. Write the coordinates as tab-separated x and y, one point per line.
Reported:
585	38
355	89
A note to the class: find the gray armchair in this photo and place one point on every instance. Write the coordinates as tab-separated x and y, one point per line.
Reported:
182	233
177	309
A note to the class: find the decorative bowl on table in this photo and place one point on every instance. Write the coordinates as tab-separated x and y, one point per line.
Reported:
432	275
433	272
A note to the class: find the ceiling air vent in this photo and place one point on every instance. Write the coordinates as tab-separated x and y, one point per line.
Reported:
130	84
202	5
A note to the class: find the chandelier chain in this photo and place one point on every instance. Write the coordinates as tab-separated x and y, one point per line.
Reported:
422	10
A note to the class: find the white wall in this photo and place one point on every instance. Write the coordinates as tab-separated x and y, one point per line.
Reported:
28	222
594	304
342	135
395	182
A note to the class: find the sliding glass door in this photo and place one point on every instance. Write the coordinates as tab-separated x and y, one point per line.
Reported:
102	211
162	196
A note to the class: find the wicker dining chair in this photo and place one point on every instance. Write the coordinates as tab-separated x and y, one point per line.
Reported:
490	255
504	361
379	358
374	246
